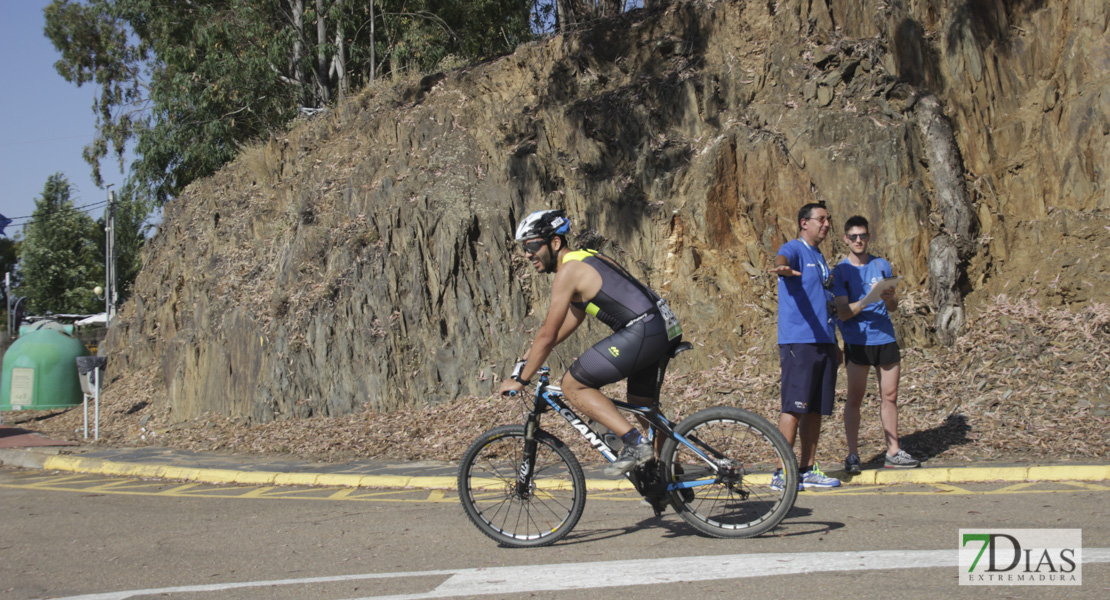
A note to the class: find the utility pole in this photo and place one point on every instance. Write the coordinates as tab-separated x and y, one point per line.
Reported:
110	294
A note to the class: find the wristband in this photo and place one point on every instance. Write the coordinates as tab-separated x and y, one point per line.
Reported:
518	370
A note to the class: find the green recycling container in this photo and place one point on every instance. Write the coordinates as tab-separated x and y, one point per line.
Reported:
40	372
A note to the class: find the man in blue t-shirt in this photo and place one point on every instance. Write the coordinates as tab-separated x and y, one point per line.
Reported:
869	342
807	342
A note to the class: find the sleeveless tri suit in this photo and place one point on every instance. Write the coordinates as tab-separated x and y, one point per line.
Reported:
642	337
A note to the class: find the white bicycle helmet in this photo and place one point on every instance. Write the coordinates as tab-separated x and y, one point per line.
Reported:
543	224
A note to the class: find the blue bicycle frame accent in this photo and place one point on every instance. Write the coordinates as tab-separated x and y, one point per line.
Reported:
548	396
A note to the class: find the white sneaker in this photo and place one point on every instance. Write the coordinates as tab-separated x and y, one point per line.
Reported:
631	457
900	460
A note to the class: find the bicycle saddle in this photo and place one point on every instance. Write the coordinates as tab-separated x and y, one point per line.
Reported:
679	349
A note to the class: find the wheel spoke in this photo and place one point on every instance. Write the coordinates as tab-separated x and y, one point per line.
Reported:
540	515
740	502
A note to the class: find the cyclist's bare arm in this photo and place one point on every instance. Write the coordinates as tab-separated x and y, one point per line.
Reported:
561	320
555	328
575	317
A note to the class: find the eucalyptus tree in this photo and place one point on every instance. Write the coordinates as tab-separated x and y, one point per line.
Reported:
189	82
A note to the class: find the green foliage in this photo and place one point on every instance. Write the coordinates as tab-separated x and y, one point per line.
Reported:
213	88
60	258
95	49
9	258
190	82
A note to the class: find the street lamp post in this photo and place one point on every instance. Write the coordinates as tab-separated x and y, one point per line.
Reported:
110	294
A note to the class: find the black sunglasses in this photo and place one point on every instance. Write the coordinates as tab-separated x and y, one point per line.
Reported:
534	247
859	236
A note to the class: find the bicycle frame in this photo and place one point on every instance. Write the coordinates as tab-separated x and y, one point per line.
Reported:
550	397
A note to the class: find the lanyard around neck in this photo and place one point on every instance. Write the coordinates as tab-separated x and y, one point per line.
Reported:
821	262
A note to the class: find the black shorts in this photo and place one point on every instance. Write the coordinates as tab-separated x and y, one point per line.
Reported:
883	354
633	353
808	378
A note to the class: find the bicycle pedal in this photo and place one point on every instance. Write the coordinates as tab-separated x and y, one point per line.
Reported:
659	505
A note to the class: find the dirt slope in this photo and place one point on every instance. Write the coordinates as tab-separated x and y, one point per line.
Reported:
362	263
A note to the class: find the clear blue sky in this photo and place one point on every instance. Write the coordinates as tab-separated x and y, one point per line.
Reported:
45	121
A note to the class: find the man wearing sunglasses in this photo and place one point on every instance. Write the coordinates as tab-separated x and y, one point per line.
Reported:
645	330
808	354
869	341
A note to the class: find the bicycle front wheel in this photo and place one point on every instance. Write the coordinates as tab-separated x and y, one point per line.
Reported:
732	497
537	516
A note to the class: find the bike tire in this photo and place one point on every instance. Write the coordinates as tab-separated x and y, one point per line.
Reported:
740	502
487	488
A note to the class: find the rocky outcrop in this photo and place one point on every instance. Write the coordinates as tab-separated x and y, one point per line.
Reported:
365	260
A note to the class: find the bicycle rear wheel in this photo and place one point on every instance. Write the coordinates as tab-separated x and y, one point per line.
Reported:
538	516
736	499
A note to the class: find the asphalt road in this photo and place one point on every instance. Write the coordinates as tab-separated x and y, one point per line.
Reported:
70	535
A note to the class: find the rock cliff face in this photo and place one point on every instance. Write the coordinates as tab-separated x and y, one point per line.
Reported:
365	259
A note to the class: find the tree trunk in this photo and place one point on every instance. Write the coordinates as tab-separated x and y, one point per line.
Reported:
373	41
323	87
564	14
297	9
609	8
951	249
339	61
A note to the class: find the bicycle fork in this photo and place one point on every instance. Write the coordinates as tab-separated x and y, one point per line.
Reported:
528	460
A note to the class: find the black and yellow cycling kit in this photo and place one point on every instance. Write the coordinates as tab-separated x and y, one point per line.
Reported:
640	339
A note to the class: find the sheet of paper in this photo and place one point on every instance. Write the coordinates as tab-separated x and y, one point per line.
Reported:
879	288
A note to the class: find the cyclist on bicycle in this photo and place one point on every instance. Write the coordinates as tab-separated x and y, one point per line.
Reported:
645	330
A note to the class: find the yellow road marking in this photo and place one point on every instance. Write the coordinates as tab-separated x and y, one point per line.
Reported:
1085	485
258	492
1014	488
129	486
182	488
341	494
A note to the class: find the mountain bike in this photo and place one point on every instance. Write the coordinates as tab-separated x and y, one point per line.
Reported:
523	487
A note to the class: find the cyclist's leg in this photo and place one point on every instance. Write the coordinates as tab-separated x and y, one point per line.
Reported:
594	404
608	361
643	390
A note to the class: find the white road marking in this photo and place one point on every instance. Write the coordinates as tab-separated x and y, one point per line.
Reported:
571	576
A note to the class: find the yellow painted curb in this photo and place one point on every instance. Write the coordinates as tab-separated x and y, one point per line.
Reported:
438	483
255	477
609	485
976	474
218	475
937	475
184	474
148	471
295	479
338	480
385	481
869	477
865	478
63	463
1071	473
